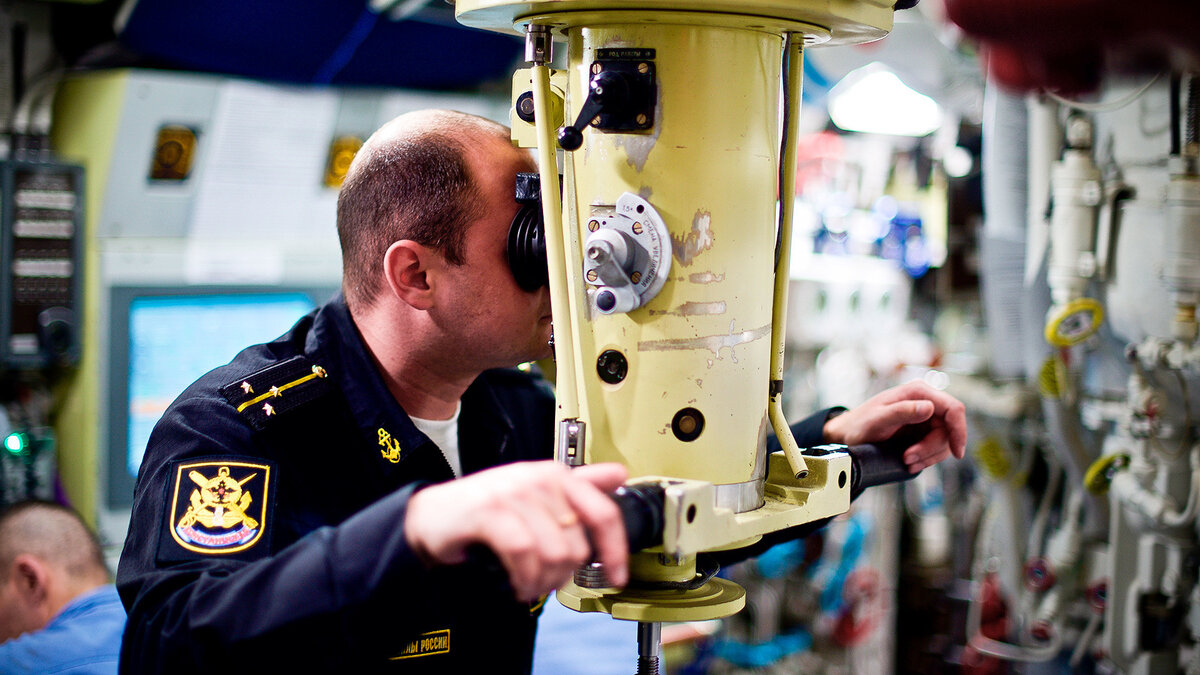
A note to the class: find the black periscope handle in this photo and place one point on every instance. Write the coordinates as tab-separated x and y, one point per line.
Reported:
641	507
872	465
875	464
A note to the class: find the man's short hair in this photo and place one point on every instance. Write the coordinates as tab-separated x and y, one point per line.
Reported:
418	188
53	533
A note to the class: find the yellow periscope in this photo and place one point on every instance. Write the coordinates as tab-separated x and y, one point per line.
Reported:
669	263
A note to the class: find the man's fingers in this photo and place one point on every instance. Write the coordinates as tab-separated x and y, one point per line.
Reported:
928	451
948	412
602	519
607	476
560	545
509	538
952	415
893	417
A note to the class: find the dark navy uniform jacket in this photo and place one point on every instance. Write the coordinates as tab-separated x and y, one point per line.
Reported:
267	525
312	571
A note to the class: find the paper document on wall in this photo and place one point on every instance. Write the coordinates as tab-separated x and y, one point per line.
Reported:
267	151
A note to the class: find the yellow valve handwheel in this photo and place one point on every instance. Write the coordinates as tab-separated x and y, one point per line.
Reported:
1099	475
993	458
1052	377
1074	322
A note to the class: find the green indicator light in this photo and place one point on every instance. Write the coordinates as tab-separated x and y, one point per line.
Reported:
15	443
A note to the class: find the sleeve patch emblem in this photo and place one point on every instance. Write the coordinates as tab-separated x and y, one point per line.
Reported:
219	507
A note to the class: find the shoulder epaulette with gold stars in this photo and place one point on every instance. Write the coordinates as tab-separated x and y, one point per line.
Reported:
276	390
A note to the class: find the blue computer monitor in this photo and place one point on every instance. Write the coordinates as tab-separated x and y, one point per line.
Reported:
164	338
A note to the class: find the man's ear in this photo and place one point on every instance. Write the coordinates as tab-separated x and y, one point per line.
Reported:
32	578
407	266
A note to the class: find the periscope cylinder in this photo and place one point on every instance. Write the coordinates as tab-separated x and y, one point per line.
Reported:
698	354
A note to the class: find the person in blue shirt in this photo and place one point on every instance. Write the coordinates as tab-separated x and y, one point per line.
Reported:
58	611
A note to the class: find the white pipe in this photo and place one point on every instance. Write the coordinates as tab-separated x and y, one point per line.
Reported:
1043	148
1192	507
1004	650
1075	183
1085	639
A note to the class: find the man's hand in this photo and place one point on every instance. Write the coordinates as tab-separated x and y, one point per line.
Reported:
884	415
537	517
1066	44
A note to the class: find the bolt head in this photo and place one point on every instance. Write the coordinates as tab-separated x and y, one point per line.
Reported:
1039	576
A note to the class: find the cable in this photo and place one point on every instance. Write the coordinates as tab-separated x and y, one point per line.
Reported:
1003	650
1176	143
22	120
1038	529
1106	106
1085	639
1187	408
18	64
347	47
1191	128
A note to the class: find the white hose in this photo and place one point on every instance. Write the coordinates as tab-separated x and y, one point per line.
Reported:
1085	639
1190	510
1038	530
24	115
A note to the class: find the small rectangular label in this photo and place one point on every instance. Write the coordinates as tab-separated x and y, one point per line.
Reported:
23	344
49	267
44	199
428	644
625	54
44	229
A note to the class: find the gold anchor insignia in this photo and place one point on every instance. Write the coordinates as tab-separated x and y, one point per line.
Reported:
218	502
391	446
247	388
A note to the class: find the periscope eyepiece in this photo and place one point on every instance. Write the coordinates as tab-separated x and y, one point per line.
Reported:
527	236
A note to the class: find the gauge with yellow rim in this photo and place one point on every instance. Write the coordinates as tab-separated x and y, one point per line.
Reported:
1100	474
1073	322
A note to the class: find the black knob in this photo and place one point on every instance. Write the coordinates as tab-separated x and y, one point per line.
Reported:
642	509
570	138
608	92
524	107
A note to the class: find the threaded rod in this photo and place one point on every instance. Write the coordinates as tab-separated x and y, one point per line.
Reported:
649	647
